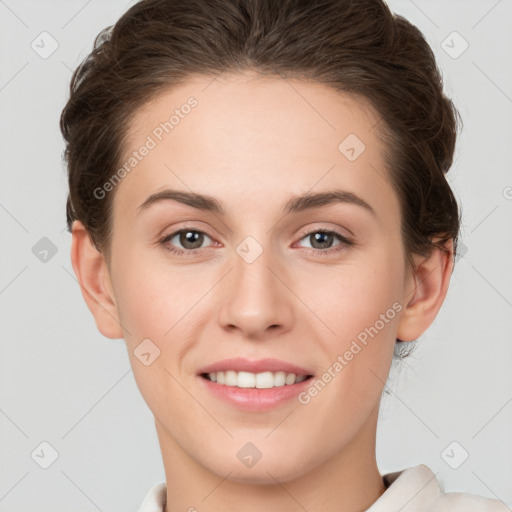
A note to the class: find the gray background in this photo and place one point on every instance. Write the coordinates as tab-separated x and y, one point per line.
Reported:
63	383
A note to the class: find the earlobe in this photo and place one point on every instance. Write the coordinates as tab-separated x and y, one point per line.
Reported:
93	276
425	292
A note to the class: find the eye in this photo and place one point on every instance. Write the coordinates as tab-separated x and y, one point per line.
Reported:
190	239
321	241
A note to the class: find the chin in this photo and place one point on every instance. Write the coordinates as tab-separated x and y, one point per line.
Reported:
263	472
261	476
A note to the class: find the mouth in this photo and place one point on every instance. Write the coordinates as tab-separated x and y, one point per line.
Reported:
254	385
262	380
261	374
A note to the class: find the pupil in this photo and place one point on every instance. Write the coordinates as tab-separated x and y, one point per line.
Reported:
191	237
319	236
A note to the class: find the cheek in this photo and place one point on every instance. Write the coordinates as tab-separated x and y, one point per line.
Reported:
360	305
152	304
150	297
353	295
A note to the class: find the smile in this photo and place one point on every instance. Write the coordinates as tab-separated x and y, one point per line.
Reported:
263	380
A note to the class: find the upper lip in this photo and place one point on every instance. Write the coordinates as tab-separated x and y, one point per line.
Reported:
240	364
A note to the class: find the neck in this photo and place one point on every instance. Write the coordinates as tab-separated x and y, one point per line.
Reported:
349	480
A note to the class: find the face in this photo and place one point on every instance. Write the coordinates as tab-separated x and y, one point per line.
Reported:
256	275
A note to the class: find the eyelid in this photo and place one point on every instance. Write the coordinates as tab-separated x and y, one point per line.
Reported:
176	230
304	232
323	227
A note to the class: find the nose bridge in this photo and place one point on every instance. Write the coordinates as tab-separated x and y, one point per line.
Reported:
255	298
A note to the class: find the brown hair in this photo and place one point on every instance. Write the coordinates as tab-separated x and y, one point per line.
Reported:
358	47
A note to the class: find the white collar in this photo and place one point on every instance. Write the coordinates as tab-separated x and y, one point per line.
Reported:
414	489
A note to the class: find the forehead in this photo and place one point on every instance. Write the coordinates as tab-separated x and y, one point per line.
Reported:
242	137
234	106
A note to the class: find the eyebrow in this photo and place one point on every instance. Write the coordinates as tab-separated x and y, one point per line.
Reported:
296	204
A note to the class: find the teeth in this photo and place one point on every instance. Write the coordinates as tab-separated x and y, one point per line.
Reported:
230	378
255	380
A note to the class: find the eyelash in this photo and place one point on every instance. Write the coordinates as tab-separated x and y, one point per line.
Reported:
345	243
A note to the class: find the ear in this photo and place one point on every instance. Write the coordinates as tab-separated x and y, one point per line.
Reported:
93	276
425	291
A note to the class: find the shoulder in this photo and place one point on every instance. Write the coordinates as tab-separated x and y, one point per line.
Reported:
467	502
417	489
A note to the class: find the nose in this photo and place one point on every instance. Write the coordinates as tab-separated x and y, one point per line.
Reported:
256	297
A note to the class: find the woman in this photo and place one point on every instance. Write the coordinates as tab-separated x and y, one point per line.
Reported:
258	206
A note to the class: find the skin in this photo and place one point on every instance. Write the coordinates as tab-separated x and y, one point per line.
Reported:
253	142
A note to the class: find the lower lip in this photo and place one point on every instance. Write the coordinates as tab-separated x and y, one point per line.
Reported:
255	399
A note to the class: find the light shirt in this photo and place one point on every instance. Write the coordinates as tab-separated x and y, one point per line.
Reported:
413	489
